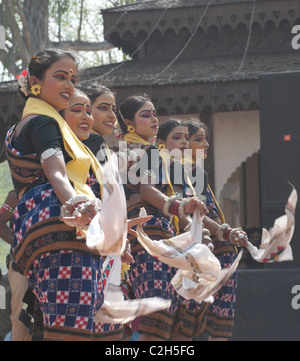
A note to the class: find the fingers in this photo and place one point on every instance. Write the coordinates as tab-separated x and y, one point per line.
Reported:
208	242
132	232
193	204
126	256
210	246
88	209
77	220
82	215
240	238
137	221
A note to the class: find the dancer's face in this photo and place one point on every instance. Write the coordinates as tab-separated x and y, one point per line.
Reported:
198	141
145	121
104	114
178	138
79	116
57	85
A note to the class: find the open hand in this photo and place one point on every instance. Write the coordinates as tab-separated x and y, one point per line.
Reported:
135	222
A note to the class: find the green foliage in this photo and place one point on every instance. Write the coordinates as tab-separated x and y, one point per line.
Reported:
69	20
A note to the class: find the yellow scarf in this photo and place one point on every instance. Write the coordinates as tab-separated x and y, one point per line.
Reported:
136	139
82	158
221	214
166	155
187	159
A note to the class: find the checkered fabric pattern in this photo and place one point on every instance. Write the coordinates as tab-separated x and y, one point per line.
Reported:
148	277
39	205
69	288
220	318
225	298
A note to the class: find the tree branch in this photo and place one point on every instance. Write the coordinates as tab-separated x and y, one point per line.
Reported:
80	21
8	63
26	33
16	31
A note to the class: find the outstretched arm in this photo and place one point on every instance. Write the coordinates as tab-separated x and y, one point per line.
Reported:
176	207
56	173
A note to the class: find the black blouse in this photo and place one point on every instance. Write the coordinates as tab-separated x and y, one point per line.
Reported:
42	132
97	146
38	134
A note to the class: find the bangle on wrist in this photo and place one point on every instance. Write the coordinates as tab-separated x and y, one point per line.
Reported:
226	233
7	207
68	209
174	208
205	232
223	232
182	206
76	200
168	204
74	207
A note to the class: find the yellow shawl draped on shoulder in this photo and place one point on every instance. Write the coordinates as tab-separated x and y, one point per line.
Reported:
136	139
82	158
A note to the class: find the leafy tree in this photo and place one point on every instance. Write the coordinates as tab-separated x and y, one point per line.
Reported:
36	24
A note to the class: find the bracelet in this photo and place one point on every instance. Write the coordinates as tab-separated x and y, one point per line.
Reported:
68	209
206	232
222	236
77	198
227	233
50	153
8	208
74	207
168	203
182	205
174	208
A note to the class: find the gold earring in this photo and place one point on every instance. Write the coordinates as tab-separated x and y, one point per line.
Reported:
36	89
161	146
131	129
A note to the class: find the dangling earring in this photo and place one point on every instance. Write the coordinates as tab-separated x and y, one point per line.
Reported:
131	129
35	89
161	146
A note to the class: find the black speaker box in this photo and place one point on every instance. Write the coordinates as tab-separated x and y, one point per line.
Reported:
280	149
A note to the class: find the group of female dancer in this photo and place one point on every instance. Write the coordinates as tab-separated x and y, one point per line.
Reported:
52	154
